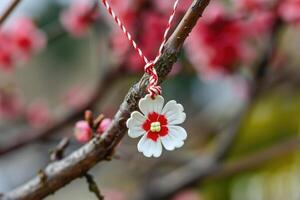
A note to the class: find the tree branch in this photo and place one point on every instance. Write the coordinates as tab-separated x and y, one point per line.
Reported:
256	159
79	162
9	10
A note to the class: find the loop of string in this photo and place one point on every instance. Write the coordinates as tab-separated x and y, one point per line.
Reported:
153	87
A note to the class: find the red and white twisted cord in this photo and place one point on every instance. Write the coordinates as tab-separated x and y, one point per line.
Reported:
128	35
168	28
153	87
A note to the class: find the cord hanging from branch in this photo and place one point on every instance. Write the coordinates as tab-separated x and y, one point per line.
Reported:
153	88
156	124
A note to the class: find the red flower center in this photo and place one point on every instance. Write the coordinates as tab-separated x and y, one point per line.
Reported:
5	59
152	118
24	43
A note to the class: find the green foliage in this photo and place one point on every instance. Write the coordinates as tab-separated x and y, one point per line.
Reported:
273	118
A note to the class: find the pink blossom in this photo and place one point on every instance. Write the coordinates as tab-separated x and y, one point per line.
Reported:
119	44
104	125
10	104
252	5
38	114
289	10
76	97
218	44
83	132
6	52
79	17
119	41
260	22
167	6
18	41
120	7
26	37
154	27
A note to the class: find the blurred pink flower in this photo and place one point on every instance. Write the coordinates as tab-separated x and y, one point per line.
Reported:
154	27
252	5
217	44
104	125
187	195
6	62
76	97
38	114
19	40
83	132
11	105
167	6
26	38
152	31
260	22
118	40
289	10
6	53
79	17
120	7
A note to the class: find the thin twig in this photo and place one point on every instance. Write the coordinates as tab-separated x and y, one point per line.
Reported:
58	152
79	162
93	186
9	10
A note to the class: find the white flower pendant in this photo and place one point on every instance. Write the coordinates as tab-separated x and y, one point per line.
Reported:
157	124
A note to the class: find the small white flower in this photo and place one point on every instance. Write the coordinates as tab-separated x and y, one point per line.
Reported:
157	125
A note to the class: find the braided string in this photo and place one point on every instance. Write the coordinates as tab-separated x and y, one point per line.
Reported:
153	87
168	28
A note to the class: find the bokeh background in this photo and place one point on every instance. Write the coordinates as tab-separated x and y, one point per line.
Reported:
81	54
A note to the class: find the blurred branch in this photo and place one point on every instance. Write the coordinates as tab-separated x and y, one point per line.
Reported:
9	10
77	164
33	135
256	159
271	50
284	80
197	169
